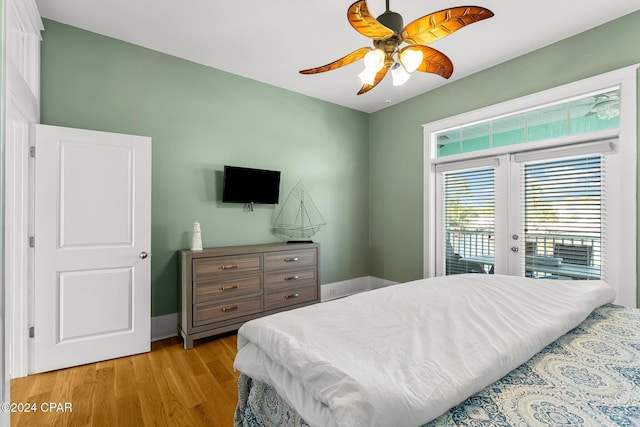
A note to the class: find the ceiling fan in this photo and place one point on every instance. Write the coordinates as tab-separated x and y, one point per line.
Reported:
388	34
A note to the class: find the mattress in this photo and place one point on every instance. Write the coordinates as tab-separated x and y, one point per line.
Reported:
588	377
406	354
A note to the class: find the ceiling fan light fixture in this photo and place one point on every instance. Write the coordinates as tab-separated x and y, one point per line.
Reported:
388	33
411	59
367	76
374	60
399	75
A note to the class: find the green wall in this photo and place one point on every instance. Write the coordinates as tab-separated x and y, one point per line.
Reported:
364	171
201	119
396	141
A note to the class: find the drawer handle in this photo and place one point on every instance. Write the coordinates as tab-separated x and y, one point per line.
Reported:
291	296
231	308
230	266
292	278
227	288
291	259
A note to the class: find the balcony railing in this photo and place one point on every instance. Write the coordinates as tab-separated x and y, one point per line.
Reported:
546	255
468	243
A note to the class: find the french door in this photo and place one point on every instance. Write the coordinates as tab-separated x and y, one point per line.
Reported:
538	213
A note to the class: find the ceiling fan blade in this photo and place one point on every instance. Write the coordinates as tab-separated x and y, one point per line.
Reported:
364	23
440	24
379	76
354	56
433	61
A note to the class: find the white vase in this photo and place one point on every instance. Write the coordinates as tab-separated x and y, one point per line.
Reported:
196	238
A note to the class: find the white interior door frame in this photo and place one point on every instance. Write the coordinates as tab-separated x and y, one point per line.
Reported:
21	111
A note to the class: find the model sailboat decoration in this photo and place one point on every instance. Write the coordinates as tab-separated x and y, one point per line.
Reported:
299	218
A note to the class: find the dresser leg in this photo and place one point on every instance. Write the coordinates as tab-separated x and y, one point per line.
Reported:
188	343
187	340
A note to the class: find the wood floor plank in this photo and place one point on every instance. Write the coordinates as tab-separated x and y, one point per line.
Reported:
168	386
129	412
171	400
221	405
152	407
125	379
82	412
104	400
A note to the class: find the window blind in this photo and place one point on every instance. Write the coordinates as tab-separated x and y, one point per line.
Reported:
469	201
563	218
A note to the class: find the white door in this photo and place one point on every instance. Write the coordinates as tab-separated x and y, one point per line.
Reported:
92	246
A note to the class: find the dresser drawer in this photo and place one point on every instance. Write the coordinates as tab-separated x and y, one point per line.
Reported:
216	290
289	259
290	297
224	266
288	279
216	311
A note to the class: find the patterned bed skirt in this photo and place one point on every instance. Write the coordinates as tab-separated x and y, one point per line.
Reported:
588	377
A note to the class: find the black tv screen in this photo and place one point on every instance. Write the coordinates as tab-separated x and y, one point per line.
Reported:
246	185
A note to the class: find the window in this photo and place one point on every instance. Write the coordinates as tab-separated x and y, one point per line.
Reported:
584	114
535	186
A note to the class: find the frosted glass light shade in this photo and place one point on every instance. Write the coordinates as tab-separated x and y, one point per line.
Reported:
399	75
374	60
367	77
411	59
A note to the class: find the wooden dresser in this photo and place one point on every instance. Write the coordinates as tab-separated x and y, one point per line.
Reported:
224	287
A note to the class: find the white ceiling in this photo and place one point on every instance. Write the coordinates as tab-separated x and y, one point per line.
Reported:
270	41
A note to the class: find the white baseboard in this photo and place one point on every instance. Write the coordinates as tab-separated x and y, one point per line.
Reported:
352	286
164	326
167	326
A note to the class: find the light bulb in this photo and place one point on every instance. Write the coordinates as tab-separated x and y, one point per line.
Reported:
367	77
374	60
411	59
399	75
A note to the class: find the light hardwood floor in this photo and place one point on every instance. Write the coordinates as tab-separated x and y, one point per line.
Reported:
168	386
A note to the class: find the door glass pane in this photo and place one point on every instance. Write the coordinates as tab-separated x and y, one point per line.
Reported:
469	221
563	218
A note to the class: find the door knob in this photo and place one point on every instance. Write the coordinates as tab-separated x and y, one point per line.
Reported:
143	255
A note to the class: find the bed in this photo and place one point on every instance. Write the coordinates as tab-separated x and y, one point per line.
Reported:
470	350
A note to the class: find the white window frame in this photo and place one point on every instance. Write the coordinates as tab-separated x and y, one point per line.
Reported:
622	271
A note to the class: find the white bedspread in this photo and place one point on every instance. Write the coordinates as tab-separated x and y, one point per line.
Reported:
403	355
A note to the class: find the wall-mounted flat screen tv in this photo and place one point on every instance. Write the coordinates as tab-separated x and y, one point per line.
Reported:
246	185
